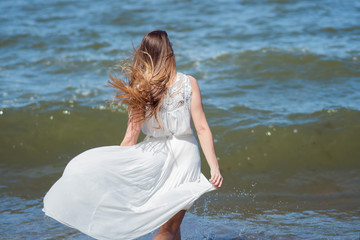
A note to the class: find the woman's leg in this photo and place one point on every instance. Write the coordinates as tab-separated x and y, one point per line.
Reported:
171	229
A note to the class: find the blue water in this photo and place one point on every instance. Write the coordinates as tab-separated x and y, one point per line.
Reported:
62	49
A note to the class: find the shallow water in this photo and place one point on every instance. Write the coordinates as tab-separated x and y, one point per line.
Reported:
280	82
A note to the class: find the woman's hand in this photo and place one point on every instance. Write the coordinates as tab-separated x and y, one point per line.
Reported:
132	133
216	178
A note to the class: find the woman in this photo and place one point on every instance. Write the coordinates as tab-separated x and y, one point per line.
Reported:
126	191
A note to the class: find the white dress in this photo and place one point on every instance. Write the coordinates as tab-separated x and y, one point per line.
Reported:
117	192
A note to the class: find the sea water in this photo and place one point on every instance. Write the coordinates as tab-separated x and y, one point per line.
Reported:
280	82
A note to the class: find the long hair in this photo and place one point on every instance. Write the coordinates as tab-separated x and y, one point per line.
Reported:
147	77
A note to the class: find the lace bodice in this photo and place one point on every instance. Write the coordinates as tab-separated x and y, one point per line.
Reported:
174	114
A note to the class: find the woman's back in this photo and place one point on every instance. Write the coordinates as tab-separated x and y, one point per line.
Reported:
174	114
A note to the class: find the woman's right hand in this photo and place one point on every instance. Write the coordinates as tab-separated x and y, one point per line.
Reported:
216	178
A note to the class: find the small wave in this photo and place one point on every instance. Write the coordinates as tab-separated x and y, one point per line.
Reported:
279	64
96	45
13	40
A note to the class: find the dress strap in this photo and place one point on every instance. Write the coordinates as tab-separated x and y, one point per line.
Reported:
187	90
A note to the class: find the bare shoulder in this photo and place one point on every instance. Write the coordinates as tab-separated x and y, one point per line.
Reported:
194	83
192	79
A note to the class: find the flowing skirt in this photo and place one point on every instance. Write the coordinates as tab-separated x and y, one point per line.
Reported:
117	192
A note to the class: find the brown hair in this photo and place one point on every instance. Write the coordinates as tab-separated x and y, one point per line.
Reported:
147	77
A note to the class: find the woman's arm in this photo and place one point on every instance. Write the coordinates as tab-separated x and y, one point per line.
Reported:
204	133
132	133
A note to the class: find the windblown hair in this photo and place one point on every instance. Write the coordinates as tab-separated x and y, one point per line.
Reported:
147	77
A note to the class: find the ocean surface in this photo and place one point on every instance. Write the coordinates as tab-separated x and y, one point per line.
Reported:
280	81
